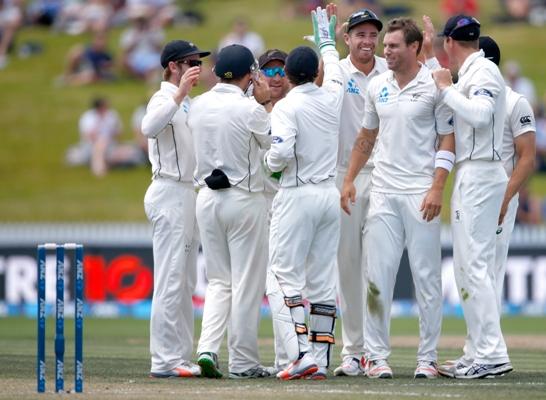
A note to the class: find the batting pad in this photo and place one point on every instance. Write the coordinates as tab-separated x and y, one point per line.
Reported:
287	320
322	321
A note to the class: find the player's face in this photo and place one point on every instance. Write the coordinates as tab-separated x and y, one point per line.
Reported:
362	41
399	56
277	84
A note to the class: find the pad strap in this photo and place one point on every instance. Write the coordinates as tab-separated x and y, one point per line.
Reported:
294	301
322	337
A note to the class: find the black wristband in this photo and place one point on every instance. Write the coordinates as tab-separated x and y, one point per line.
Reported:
265	102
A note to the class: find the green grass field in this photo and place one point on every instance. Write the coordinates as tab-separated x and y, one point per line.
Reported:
38	119
117	365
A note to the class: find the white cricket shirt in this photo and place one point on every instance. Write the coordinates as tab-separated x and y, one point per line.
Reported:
170	145
355	84
228	129
409	121
478	101
305	126
519	120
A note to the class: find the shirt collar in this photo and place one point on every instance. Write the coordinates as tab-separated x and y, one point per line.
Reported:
421	76
227	88
305	88
469	61
169	87
355	70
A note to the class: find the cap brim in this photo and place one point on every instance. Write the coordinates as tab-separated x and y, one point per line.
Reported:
376	23
200	53
272	59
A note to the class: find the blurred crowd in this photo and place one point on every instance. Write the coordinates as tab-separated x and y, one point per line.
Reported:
136	56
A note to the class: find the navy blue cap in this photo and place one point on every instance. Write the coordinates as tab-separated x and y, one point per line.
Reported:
234	61
176	50
490	48
462	27
361	16
302	63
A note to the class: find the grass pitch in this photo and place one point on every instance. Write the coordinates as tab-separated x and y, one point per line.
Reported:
117	365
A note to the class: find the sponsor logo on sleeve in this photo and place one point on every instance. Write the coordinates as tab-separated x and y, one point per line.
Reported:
483	92
525	120
277	139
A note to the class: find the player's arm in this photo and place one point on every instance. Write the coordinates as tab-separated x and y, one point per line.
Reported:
161	109
476	110
522	123
362	150
444	161
283	130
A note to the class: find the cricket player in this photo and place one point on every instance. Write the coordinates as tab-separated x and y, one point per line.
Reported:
228	129
518	158
415	144
272	64
358	68
170	206
478	101
305	223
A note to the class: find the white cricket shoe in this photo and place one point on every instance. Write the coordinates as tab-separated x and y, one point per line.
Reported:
351	366
186	369
320	375
426	370
450	367
300	368
379	369
477	371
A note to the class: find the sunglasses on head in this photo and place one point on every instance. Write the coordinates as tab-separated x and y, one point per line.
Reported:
271	72
462	23
191	63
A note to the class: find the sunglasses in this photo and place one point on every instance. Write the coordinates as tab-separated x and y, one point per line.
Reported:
462	23
271	72
191	63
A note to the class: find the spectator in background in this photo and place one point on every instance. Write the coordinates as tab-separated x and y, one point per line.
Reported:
91	63
454	7
78	16
11	18
241	35
99	129
136	124
44	12
141	45
519	83
162	12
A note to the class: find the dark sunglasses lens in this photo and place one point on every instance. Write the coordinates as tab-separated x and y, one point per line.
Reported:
195	63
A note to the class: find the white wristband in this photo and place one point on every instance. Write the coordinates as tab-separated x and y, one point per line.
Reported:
444	159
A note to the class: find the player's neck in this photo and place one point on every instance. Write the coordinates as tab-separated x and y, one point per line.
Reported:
406	75
364	67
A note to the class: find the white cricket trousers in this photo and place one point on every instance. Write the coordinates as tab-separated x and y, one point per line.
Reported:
502	246
475	205
170	207
351	266
303	241
395	220
233	227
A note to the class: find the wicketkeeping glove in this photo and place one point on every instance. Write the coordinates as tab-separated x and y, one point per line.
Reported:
324	30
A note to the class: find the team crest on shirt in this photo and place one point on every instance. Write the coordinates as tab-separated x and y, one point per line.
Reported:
352	87
383	95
